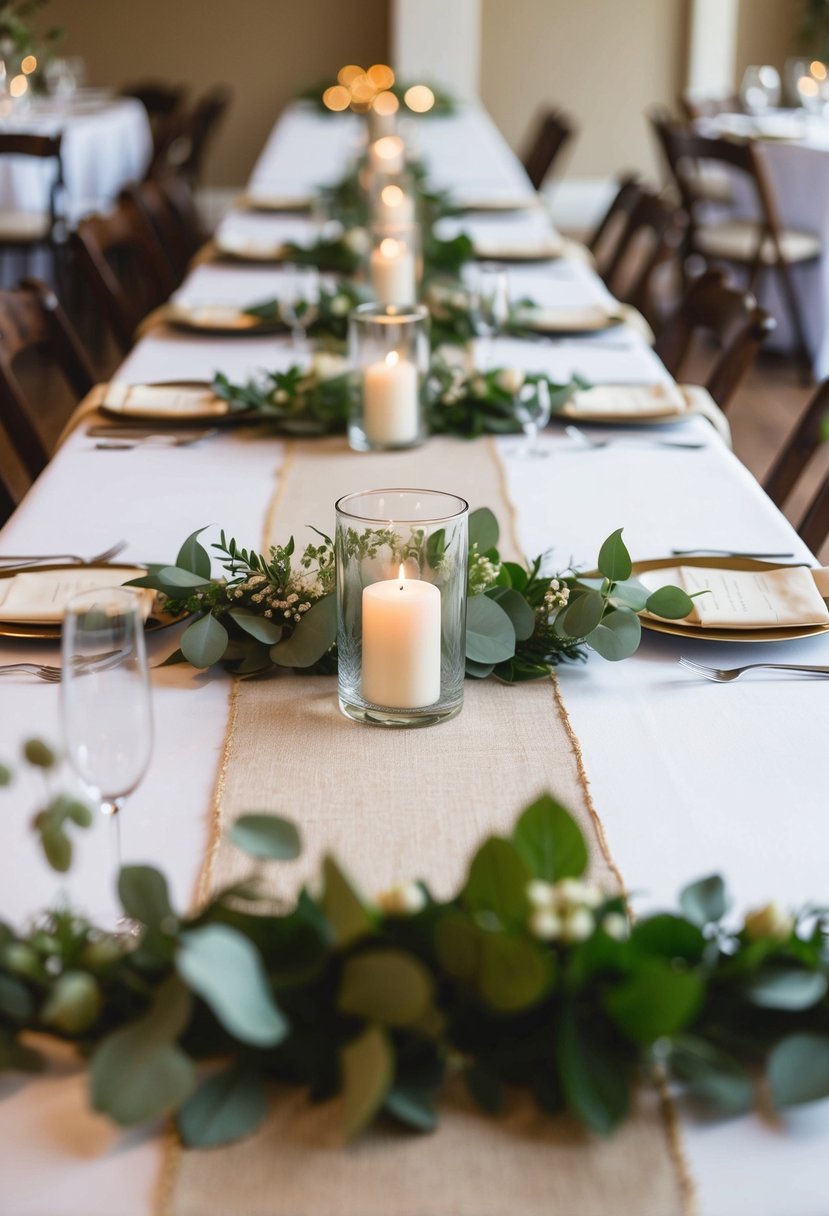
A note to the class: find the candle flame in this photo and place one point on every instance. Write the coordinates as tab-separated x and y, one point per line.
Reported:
419	98
392	359
389	146
390	248
392	196
386	103
818	69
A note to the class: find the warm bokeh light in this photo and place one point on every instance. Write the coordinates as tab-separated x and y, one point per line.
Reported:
390	248
389	147
336	98
362	90
419	98
386	104
350	72
18	86
392	196
807	86
818	69
381	76
28	65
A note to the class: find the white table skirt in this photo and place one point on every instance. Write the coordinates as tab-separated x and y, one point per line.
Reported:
687	776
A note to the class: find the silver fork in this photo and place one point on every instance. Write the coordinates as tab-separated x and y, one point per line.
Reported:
724	675
153	441
587	441
9	562
43	672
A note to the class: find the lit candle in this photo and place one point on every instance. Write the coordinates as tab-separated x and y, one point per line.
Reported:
394	206
393	273
388	155
391	401
382	116
401	643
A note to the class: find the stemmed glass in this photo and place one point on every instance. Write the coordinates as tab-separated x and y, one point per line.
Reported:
533	407
488	293
106	715
300	304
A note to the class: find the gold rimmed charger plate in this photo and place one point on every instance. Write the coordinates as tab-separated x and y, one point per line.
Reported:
51	631
216	322
276	204
265	254
789	633
571	322
547	252
205	406
672	412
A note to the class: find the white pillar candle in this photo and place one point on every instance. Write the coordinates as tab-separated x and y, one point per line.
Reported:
393	277
388	155
394	206
391	414
401	643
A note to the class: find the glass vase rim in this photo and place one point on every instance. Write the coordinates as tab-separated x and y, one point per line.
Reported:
462	506
390	314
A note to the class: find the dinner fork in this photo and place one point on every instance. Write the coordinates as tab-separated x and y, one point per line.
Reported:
9	562
724	675
43	672
153	441
573	432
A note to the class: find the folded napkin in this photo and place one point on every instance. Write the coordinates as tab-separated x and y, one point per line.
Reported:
211	316
568	319
267	201
515	248
240	245
162	400
747	599
38	597
626	401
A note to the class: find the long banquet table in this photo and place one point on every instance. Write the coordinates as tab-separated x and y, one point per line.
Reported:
687	777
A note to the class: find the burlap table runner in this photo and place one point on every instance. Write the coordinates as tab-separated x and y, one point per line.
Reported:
395	805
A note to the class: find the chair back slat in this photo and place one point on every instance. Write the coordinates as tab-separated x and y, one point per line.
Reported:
553	131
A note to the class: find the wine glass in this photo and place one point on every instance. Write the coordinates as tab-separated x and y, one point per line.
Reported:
488	292
533	407
106	715
300	304
760	88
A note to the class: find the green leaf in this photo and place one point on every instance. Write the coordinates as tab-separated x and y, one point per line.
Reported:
175	577
594	1080
16	1056
656	1000
225	969
259	627
710	1075
669	937
15	999
704	902
669	602
550	841
367	1067
144	897
194	557
483	529
630	594
479	671
490	636
39	754
436	547
582	615
266	836
204	642
798	1069
485	1088
614	559
618	636
515	973
497	881
313	637
346	912
229	1106
137	1073
412	1106
457	943
517	609
74	1003
518	577
385	986
790	989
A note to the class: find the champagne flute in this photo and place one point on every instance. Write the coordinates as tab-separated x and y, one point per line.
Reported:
106	715
300	304
488	289
533	407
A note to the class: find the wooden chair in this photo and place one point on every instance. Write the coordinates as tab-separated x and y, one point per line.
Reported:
809	434
166	204
715	310
124	267
161	101
553	131
32	322
694	107
608	232
24	232
708	183
189	136
759	245
651	238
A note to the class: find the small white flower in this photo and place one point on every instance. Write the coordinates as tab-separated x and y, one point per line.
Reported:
328	366
403	899
511	379
615	925
578	925
478	386
340	305
574	891
280	396
357	240
770	921
546	925
541	894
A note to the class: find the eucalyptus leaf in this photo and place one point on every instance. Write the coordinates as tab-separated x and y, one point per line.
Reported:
145	897
74	1003
655	1000
490	635
204	642
550	841
517	609
798	1069
497	881
367	1070
194	557
582	615
479	671
515	972
483	529
227	1107
313	637
617	637
704	902
386	986
15	999
266	836
175	578
594	1080
614	559
412	1106
790	989
345	910
630	594
710	1075
259	627
669	602
226	970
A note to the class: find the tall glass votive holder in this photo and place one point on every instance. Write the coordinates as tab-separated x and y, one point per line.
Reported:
389	360
401	606
392	199
395	263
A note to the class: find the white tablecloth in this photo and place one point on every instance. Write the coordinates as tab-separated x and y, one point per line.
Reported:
687	776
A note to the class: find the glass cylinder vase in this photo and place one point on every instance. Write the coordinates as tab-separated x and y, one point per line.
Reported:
389	358
401	606
395	263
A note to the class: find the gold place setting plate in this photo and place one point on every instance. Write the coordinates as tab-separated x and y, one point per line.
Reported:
501	249
241	248
32	601
170	401
212	319
748	600
627	403
563	321
275	204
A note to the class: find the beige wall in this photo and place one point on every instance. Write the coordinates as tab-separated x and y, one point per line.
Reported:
766	32
604	61
264	49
